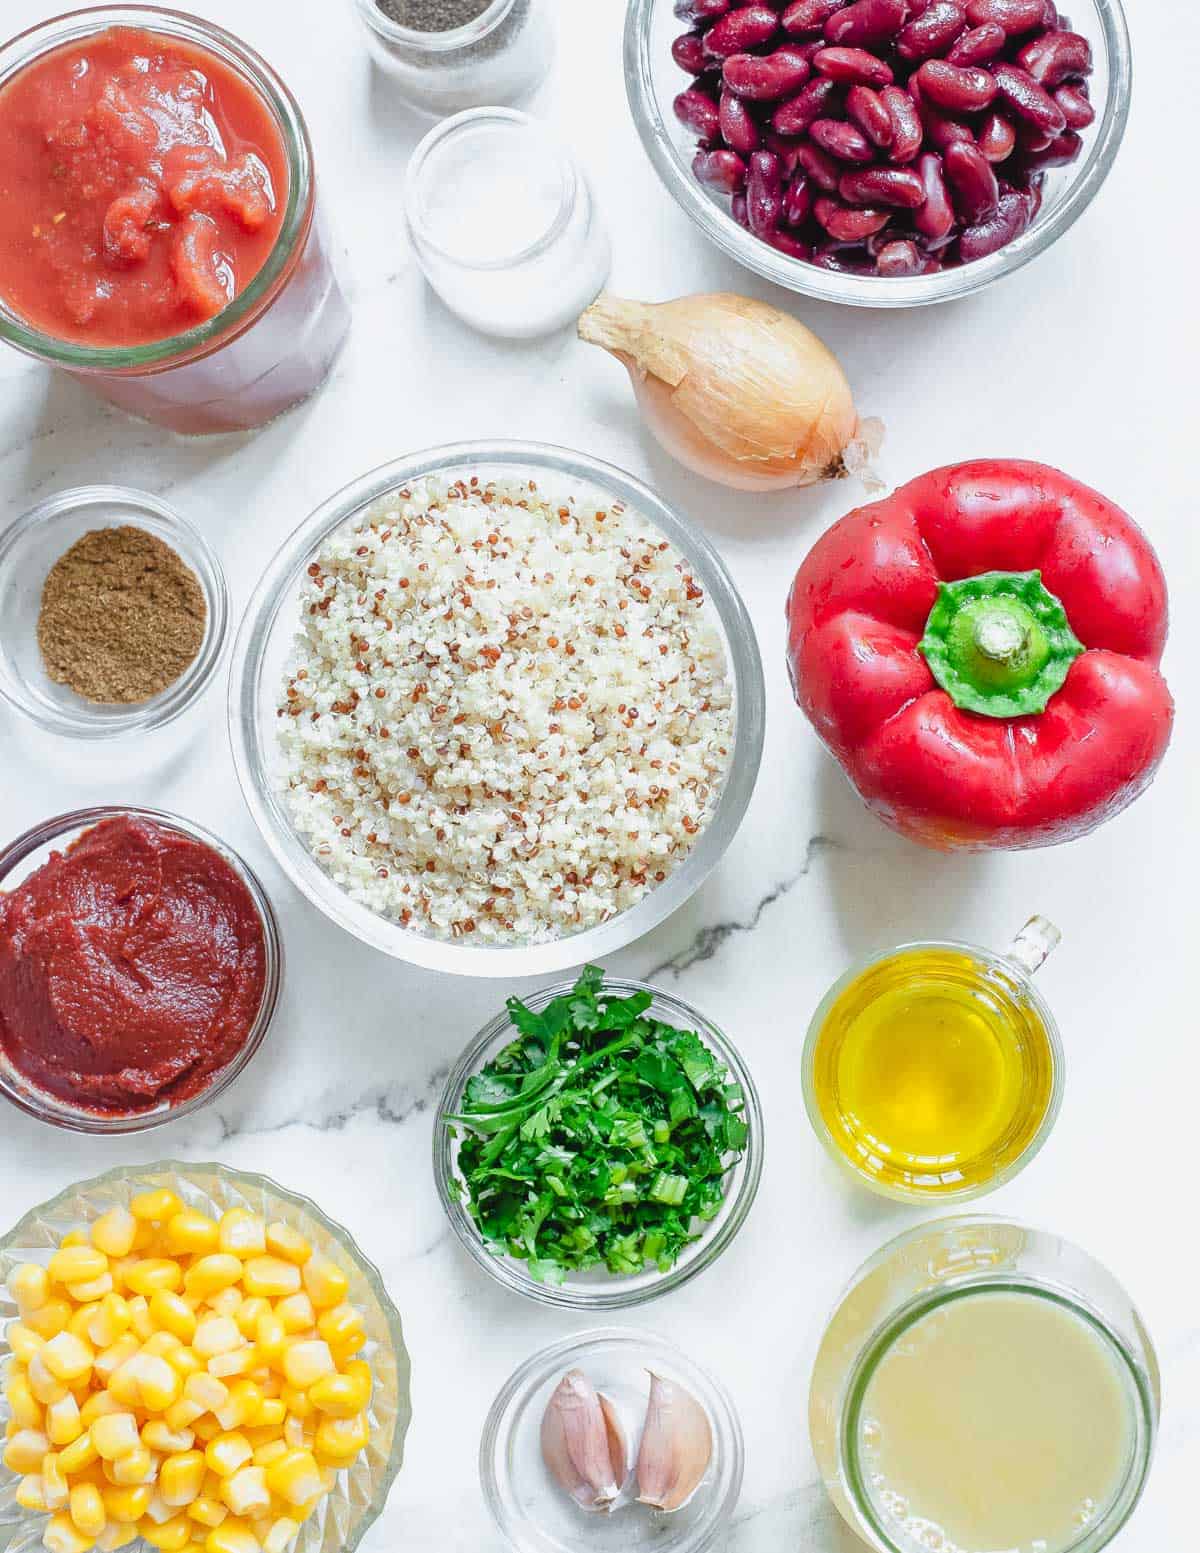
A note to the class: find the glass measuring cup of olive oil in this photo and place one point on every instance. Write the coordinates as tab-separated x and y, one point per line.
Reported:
934	1071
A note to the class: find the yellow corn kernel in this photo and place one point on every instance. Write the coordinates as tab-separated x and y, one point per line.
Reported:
190	1234
210	1274
206	1390
26	1450
54	1481
296	1312
92	1289
182	1415
326	1283
240	1406
79	1454
23	1341
108	1321
298	1432
242	1233
297	1403
162	1344
240	1361
289	1243
81	1319
31	1493
46	1387
216	1335
87	1509
153	1273
246	1492
270	1451
26	1411
231	1537
342	1327
126	1502
29	1285
115	1435
225	1302
339	1440
51	1318
282	1534
304	1363
207	1512
137	1466
206	1429
270	1337
77	1264
114	1231
168	1442
271	1277
68	1358
98	1405
184	1362
169	1536
248	1312
139	1317
294	1477
181	1477
115	1535
157	1381
270	1415
155	1207
62	1421
75	1237
110	1361
62	1536
227	1453
339	1396
145	1237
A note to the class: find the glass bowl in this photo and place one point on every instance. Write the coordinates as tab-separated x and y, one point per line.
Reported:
30	851
598	1289
653	80
32	544
342	1519
531	1510
265	641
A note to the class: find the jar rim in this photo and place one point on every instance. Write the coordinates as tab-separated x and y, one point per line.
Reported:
423	42
43	38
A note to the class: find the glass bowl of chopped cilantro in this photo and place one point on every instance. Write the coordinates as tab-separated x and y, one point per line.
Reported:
598	1143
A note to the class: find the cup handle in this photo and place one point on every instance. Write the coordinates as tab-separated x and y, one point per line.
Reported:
1036	940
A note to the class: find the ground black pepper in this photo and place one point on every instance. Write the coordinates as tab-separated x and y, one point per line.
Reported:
432	15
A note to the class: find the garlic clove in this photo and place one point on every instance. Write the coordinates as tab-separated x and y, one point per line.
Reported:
618	1451
676	1448
576	1443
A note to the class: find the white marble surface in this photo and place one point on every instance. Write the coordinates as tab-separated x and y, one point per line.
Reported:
1079	360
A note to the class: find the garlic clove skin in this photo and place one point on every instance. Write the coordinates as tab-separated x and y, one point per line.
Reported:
676	1448
576	1443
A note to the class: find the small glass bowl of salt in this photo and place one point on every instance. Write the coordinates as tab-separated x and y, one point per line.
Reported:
504	225
446	55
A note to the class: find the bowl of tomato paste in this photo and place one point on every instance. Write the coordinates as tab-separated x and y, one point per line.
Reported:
140	965
160	236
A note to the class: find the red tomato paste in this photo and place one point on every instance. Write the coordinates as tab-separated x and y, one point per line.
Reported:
142	187
131	968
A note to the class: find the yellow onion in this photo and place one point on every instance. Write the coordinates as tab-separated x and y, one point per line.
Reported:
735	389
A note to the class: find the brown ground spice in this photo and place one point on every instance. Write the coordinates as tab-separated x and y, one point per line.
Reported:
122	616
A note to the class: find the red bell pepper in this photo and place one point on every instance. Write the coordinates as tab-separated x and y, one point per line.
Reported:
980	652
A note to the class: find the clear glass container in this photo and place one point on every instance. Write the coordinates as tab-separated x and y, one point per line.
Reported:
533	252
499	56
532	1511
277	340
599	1289
32	544
653	80
1010	974
343	1517
266	638
922	1271
27	853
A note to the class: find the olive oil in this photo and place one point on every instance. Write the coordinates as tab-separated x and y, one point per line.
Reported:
933	1071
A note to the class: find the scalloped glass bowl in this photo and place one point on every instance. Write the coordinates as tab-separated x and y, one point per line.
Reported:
343	1518
653	80
266	638
598	1289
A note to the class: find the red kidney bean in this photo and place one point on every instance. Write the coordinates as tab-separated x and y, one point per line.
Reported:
1061	152
724	170
830	257
808	15
849	225
907	132
738	210
996	138
797	201
1009	219
820	167
784	148
1076	108
870	113
766	78
901	257
934	219
1055	56
790	245
1031	138
882	186
811	102
1015	16
739	130
957	88
741	30
688	53
700	10
764	193
972	181
866	23
979	46
852	65
1025	97
842	140
940	130
931	34
698	112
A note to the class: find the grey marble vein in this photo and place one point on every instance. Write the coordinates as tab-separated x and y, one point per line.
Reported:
393	1104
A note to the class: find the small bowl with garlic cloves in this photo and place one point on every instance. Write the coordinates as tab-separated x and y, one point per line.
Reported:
612	1440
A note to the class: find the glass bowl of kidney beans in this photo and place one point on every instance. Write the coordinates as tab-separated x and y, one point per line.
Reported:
885	153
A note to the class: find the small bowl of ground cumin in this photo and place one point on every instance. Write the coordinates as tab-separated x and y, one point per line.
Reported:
113	612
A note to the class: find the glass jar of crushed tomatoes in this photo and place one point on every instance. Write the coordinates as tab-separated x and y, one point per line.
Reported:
160	237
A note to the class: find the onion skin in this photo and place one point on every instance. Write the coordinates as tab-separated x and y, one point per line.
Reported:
734	389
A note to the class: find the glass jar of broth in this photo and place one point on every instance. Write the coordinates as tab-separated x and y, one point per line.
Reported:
983	1385
934	1071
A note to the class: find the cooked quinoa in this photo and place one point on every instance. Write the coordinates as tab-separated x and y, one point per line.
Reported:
506	716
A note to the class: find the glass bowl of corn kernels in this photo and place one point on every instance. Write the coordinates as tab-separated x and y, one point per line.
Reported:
197	1358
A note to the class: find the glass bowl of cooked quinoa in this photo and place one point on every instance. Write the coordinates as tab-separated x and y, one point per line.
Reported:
497	709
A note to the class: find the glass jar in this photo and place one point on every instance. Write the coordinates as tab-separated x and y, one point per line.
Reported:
932	1269
499	56
275	343
534	252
